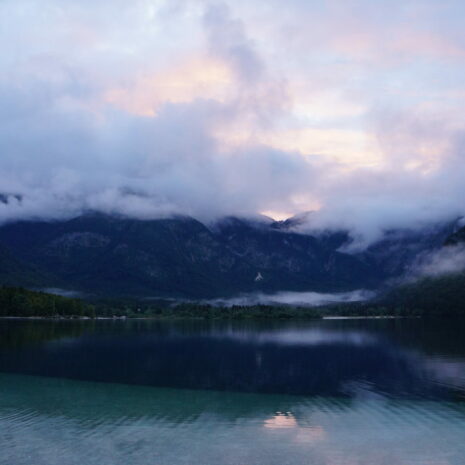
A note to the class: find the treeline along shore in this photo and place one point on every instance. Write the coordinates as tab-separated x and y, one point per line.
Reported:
430	298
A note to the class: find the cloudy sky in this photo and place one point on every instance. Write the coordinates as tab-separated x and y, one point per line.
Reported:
351	108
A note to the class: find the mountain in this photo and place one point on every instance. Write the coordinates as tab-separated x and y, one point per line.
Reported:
105	255
456	238
294	222
435	295
290	260
396	252
390	256
110	255
442	295
14	272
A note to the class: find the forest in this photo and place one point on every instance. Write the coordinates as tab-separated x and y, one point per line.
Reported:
430	297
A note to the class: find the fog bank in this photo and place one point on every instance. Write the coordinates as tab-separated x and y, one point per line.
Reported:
309	299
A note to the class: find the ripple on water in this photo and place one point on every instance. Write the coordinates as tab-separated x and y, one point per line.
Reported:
369	393
50	421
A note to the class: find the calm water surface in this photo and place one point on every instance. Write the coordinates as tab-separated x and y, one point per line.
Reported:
332	392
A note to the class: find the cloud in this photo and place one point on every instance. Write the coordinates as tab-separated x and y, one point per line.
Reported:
63	292
227	39
305	299
447	260
150	108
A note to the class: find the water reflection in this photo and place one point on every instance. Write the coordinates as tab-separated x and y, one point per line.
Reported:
58	421
281	420
349	358
337	393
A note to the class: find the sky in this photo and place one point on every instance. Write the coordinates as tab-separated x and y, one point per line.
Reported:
352	109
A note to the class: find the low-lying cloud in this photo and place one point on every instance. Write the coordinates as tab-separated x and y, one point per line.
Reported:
444	261
308	299
63	292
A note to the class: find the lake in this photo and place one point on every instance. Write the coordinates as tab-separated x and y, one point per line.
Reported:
329	392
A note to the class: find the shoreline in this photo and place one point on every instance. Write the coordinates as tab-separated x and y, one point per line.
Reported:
373	317
124	318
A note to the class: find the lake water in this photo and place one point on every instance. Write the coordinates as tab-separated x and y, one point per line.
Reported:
331	392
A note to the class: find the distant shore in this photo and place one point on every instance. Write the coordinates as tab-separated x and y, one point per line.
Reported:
367	317
191	318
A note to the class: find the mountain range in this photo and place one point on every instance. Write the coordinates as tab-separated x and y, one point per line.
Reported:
106	255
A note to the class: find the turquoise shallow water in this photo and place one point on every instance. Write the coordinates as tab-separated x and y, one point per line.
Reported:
53	421
400	401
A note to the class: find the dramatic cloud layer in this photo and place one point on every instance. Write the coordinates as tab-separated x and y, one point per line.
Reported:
150	107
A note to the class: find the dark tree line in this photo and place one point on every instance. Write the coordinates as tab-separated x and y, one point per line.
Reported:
16	301
19	302
443	296
438	296
168	310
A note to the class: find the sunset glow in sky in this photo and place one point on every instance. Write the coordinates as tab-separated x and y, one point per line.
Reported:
352	108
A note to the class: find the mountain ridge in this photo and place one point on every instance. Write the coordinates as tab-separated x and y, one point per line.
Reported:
102	254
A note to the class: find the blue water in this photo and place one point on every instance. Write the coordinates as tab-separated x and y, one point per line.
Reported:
340	392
